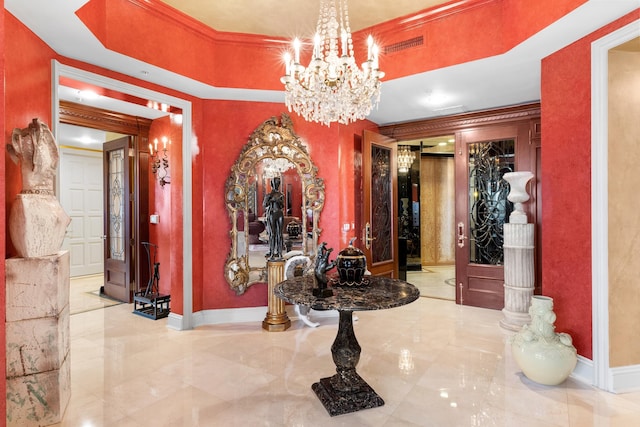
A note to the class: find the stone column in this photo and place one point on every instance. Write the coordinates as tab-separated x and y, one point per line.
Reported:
37	339
276	319
519	275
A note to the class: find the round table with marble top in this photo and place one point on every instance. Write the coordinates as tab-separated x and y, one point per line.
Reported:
346	391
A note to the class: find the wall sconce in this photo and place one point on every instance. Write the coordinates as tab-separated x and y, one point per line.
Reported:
160	165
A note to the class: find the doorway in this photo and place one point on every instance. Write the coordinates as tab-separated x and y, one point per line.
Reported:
477	284
427	202
87	184
81	196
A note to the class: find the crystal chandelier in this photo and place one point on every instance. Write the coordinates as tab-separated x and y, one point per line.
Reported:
405	158
332	88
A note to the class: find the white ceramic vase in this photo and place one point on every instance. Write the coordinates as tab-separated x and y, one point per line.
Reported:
518	194
544	356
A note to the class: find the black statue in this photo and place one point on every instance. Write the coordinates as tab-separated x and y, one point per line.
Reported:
274	205
322	266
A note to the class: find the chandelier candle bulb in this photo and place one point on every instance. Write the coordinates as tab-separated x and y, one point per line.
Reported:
287	63
343	36
375	56
296	50
316	46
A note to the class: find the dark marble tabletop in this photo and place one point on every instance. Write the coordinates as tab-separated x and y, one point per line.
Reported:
380	293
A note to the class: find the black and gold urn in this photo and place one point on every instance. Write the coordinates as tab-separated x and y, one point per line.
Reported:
351	266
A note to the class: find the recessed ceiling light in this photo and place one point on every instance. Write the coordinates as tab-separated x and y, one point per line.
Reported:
436	98
144	72
87	94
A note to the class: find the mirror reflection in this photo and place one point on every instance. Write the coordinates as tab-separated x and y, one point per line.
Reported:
273	151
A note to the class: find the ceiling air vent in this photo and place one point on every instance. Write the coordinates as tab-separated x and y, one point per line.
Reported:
405	44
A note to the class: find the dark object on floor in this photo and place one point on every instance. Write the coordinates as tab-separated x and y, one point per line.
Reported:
150	302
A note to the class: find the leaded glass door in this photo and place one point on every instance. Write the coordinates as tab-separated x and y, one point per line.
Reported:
117	202
380	234
482	208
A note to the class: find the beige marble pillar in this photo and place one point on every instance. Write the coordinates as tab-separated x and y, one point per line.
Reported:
37	339
276	319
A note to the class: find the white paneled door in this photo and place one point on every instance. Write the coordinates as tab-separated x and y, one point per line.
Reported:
81	196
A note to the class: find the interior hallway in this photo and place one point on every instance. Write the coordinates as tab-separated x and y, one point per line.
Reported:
434	363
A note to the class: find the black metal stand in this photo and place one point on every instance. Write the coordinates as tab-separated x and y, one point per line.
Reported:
151	303
346	391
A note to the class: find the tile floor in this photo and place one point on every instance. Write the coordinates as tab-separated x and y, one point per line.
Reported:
84	294
437	281
433	362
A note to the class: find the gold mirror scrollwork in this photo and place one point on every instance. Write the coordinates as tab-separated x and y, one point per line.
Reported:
276	141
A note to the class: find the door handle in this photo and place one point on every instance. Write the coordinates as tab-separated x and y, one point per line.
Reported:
461	236
367	236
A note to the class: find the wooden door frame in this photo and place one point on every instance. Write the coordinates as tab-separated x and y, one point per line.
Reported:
389	269
138	127
454	124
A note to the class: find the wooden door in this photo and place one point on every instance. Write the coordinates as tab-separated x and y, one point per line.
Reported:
380	204
81	197
483	156
117	219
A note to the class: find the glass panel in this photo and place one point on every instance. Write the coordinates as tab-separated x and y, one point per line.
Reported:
488	204
381	204
116	204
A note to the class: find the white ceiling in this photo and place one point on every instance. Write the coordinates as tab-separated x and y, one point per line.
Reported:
508	79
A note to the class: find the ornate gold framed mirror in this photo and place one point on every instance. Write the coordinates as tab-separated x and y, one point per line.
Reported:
273	149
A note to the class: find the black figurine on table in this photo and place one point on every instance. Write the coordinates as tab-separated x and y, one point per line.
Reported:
322	266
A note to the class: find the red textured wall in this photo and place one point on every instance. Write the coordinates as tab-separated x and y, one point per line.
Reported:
27	95
160	203
458	32
3	294
524	18
227	126
566	184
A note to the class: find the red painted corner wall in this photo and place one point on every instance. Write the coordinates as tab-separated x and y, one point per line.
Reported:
25	95
227	126
566	185
3	301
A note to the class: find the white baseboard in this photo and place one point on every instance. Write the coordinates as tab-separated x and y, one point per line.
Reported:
238	315
174	321
625	379
583	371
229	315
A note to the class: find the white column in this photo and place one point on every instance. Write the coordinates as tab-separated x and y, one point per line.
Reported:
519	275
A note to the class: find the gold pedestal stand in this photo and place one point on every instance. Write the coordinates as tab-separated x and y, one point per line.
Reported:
276	319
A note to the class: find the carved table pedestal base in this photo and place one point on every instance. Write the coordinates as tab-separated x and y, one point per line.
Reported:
346	391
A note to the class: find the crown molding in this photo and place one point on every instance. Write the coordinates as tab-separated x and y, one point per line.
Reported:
436	126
